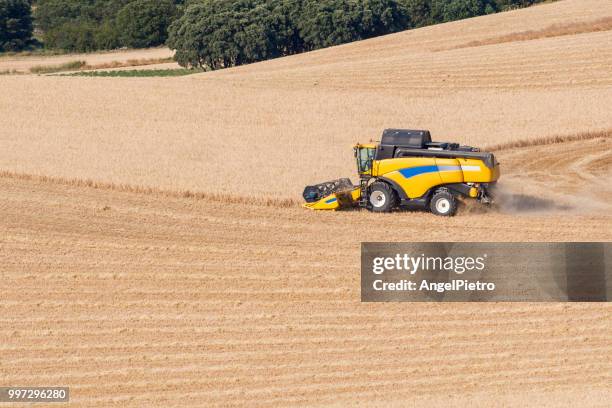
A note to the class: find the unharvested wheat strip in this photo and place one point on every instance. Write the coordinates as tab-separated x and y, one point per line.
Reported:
604	134
556	30
266	201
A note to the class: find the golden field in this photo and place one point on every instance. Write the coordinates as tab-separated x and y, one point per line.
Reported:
23	64
153	253
271	128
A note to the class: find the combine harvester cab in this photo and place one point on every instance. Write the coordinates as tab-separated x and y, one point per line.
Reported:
407	170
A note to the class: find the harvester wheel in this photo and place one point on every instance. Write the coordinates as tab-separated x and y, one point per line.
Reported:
381	198
443	203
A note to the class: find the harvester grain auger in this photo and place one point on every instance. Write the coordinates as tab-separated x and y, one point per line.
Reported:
407	170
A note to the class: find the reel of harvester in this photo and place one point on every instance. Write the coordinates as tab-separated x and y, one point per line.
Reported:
331	195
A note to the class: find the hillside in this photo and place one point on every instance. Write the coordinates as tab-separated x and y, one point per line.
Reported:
272	116
154	254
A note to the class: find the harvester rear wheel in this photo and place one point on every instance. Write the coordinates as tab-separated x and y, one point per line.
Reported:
443	203
381	198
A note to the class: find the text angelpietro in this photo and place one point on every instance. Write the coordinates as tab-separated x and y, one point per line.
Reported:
425	285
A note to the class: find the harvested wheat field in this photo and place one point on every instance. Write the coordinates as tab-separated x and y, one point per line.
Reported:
153	252
109	59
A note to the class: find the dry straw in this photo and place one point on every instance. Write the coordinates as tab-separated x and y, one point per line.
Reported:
555	30
83	66
606	134
268	201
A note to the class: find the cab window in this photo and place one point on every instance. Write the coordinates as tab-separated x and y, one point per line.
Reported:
364	159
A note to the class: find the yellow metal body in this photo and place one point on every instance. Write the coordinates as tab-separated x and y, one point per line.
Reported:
415	176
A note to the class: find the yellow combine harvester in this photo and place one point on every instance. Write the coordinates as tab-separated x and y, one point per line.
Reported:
407	170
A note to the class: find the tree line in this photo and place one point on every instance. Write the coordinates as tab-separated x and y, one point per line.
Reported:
15	25
213	34
85	25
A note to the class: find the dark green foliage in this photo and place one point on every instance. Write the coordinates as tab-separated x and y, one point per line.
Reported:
107	36
460	9
331	22
503	5
15	25
427	12
144	23
215	34
53	13
86	25
419	12
222	33
72	36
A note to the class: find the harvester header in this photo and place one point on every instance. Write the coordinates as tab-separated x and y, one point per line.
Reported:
406	169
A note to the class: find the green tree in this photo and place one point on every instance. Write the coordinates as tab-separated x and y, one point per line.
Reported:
86	25
221	33
331	22
15	25
285	15
79	25
106	36
73	36
380	17
425	12
419	11
503	5
144	23
217	33
51	14
460	9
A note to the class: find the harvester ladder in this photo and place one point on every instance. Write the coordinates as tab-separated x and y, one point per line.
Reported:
363	197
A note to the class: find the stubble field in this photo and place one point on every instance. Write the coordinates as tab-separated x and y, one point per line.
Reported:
23	64
153	253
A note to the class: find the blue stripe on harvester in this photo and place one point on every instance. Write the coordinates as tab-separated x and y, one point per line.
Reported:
331	200
415	171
